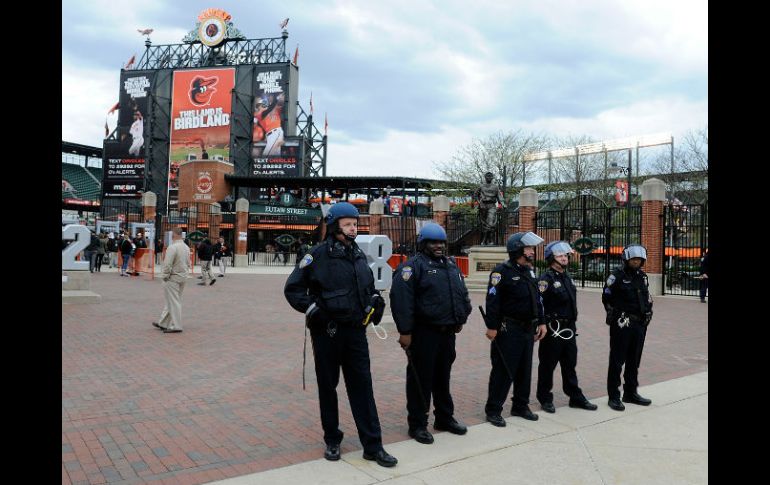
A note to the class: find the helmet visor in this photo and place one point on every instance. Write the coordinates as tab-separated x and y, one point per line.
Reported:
561	248
635	252
531	239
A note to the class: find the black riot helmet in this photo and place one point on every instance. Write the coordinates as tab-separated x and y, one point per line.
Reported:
517	242
488	177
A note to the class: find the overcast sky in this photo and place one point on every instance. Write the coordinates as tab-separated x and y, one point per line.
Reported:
405	83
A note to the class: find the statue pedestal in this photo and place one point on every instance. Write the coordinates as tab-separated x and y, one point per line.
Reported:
76	288
481	261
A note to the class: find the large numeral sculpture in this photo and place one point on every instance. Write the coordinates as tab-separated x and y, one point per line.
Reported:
378	249
82	237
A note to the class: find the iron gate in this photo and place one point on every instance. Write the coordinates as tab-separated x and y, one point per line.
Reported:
685	240
606	229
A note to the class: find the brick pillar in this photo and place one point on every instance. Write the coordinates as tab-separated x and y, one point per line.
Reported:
653	196
149	202
441	210
215	219
241	232
527	210
376	209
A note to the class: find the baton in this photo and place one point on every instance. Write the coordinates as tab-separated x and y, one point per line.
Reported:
497	346
417	380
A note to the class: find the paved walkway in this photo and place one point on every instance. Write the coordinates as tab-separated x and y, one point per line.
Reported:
666	442
224	398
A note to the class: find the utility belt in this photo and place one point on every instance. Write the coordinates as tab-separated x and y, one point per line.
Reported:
526	325
624	319
562	320
493	201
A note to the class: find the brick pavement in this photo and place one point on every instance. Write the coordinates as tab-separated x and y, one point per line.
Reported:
224	398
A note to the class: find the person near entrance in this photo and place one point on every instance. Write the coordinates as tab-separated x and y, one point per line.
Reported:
515	321
559	346
334	287
627	300
430	304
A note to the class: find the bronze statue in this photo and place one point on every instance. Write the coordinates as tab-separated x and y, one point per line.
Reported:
488	195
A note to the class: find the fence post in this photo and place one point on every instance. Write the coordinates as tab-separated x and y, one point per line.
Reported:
376	209
149	202
441	211
241	232
215	218
653	195
527	210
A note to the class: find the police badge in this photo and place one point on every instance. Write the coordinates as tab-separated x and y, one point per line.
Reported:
542	286
406	273
495	278
306	260
557	284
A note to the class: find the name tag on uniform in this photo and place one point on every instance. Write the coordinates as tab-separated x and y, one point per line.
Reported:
516	278
432	271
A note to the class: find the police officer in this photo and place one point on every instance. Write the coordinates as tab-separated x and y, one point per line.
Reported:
559	346
333	285
515	321
430	304
626	297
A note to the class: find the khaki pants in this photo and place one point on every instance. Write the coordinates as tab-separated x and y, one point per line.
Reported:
171	317
206	271
224	262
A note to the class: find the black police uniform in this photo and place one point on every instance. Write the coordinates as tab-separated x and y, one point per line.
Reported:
626	295
515	309
430	302
338	280
560	306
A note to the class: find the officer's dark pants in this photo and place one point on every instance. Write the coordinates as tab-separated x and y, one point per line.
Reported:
626	346
552	350
516	344
347	349
704	286
432	355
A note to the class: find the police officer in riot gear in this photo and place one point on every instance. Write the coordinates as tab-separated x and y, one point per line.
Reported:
333	285
515	321
430	304
628	302
559	346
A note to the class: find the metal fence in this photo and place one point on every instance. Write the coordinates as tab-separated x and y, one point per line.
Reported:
685	240
606	228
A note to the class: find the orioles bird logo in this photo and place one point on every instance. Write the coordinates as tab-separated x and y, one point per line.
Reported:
201	90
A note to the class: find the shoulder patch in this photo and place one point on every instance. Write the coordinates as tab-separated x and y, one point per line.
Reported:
495	278
611	280
406	273
306	260
542	286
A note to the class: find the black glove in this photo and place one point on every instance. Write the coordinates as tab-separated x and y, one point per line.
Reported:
318	317
611	316
647	318
379	309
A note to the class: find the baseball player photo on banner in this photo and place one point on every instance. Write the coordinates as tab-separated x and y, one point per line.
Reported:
269	105
200	119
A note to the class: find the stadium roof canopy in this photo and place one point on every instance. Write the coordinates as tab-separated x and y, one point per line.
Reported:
78	149
363	183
